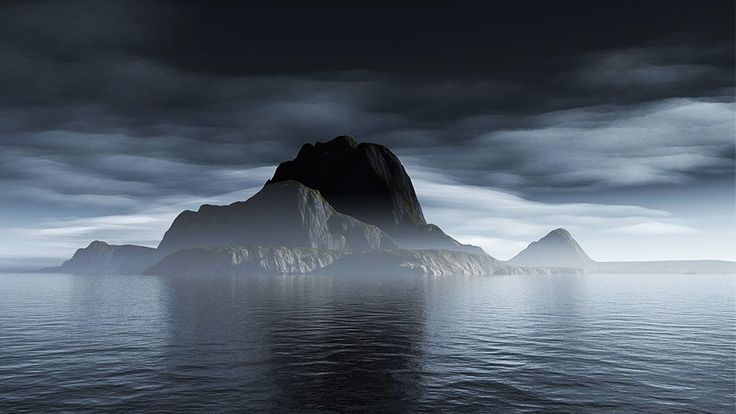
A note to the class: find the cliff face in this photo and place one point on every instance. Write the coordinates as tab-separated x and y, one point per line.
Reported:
368	182
244	261
102	258
281	214
557	248
431	262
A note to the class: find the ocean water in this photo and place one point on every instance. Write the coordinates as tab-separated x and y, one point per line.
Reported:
564	343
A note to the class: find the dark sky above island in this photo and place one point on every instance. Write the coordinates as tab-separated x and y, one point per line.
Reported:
612	119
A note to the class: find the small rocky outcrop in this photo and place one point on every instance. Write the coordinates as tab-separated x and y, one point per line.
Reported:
557	248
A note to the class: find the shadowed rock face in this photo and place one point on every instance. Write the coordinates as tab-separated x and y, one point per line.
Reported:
557	248
101	258
281	214
368	182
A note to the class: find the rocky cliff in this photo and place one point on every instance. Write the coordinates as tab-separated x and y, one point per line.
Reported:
243	261
286	213
257	260
102	258
367	181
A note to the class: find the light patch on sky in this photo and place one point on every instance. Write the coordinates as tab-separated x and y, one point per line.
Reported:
503	223
53	240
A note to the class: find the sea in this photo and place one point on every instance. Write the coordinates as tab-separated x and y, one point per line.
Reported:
593	343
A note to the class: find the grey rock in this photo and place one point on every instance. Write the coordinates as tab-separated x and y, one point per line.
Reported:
282	214
433	262
102	258
244	261
368	182
232	261
557	248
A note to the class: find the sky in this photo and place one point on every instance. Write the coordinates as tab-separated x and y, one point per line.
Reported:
614	120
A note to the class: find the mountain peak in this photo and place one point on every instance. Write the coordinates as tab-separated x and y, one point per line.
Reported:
557	248
338	146
342	141
368	182
559	233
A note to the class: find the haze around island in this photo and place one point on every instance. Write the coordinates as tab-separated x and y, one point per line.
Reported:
117	118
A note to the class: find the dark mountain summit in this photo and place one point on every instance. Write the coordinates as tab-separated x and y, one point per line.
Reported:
281	214
557	248
364	180
368	182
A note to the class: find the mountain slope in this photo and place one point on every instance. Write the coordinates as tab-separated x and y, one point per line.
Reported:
557	248
368	182
102	258
281	214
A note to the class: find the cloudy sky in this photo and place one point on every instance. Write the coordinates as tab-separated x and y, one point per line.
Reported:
615	121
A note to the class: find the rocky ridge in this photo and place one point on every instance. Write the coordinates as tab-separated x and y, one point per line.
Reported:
286	213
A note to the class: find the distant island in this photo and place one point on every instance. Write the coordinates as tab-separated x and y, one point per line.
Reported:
339	206
559	248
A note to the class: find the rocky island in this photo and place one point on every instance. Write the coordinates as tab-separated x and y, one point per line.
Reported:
337	207
559	248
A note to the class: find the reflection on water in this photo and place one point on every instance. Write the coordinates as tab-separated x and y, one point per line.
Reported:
572	343
296	342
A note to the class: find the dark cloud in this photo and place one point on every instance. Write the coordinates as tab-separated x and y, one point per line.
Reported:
116	115
151	100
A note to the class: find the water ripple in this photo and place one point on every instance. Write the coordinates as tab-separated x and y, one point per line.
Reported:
567	343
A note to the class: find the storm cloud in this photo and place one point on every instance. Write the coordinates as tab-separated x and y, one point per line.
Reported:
114	107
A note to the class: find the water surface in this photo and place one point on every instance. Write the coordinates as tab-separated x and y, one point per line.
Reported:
564	343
